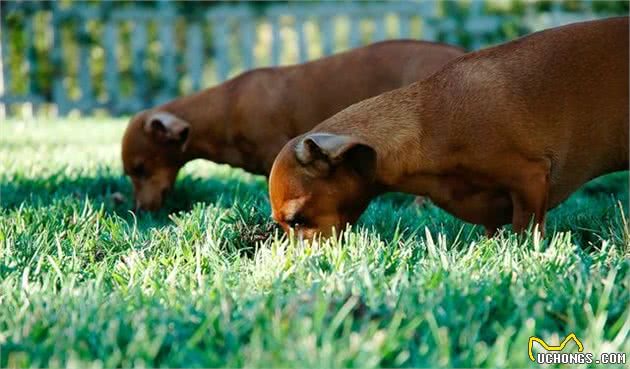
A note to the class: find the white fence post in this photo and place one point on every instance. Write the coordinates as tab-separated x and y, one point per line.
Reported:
138	45
4	75
60	97
300	24
219	35
194	55
167	40
85	79
110	38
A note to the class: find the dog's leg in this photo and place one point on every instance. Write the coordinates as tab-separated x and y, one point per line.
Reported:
498	214
529	197
491	230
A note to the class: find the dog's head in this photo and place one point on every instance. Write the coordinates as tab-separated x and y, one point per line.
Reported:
153	152
320	181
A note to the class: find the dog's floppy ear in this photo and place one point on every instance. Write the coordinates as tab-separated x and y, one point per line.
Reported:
325	151
166	127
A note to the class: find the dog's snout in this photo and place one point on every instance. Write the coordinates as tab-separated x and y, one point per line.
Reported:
141	207
150	196
151	204
147	207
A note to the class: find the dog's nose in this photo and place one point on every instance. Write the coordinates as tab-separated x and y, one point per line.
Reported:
149	206
140	207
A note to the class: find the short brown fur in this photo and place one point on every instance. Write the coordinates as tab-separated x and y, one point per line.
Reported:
498	136
245	121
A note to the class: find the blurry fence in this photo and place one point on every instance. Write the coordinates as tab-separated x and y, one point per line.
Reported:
88	57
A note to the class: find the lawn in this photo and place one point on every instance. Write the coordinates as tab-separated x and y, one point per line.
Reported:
211	281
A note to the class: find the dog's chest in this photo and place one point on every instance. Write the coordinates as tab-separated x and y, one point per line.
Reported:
474	199
448	190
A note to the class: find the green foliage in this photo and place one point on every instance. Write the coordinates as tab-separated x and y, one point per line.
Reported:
33	62
211	282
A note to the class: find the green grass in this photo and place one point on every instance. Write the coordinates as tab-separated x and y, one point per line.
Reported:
212	282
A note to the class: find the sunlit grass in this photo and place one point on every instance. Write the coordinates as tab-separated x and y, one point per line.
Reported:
210	281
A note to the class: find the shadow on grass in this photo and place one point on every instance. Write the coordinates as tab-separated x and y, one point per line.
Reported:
591	214
113	192
587	213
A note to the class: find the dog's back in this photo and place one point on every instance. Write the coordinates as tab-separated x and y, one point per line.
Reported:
272	105
495	137
245	121
324	87
560	93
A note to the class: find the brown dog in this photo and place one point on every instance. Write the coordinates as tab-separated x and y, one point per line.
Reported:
245	122
496	137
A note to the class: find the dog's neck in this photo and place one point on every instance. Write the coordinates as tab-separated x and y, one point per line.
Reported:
208	113
215	123
392	125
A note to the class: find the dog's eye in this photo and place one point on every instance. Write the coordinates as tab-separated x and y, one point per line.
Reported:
138	170
296	221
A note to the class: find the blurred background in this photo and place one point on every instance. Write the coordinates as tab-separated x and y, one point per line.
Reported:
113	58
